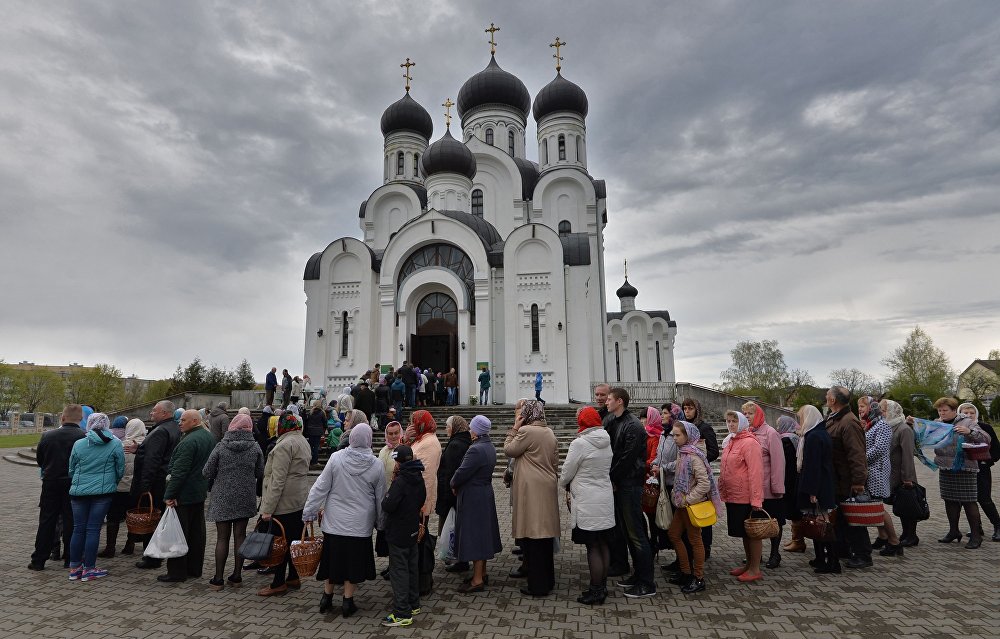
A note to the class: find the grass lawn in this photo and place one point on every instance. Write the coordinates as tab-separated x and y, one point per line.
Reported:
19	441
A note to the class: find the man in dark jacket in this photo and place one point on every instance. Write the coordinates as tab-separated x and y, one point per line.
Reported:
52	456
403	527
850	472
628	474
410	381
186	492
365	400
270	385
286	388
218	421
601	399
152	459
693	414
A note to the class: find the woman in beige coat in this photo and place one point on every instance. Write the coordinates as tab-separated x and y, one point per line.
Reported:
535	520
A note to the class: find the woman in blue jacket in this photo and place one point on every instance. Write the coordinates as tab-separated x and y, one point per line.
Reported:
96	465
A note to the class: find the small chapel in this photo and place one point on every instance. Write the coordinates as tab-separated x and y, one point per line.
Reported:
472	255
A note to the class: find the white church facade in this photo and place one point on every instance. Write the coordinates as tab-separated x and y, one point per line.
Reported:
472	254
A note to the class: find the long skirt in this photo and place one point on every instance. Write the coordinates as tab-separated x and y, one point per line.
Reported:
346	559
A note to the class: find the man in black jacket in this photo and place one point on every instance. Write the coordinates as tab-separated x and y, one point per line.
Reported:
365	400
152	457
410	380
52	456
403	527
628	474
286	388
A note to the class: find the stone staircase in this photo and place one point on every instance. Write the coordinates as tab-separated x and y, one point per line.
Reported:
23	457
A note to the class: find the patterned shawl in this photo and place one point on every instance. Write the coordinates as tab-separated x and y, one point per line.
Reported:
683	475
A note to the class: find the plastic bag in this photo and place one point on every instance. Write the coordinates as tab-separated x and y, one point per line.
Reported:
664	509
168	540
446	542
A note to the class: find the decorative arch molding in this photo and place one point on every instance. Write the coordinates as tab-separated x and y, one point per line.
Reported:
433	279
432	228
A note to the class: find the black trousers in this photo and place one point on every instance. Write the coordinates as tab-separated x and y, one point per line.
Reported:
618	551
984	485
53	503
539	564
192	518
293	532
852	541
404	575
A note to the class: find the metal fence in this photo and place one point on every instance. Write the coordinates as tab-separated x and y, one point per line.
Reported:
712	400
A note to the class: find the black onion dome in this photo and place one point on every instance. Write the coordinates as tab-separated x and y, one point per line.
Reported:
493	85
406	114
626	290
560	95
448	155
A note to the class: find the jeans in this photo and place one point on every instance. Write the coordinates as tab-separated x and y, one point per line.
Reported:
88	518
484	396
452	392
314	441
53	503
405	579
630	520
411	395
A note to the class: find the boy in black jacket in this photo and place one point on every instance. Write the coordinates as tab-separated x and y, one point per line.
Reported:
403	529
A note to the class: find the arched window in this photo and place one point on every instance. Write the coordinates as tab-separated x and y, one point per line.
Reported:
477	202
489	136
535	340
659	372
399	163
437	306
638	363
545	151
510	143
579	142
447	256
343	334
618	364
416	165
562	147
565	228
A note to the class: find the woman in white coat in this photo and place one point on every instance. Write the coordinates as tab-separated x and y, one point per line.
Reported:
591	503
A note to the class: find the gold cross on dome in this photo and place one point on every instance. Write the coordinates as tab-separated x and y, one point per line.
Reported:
493	44
406	74
626	270
557	44
447	104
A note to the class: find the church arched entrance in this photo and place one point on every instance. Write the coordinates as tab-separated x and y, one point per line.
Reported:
435	343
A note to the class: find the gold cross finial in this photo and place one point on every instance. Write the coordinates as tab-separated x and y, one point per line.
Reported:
493	44
557	44
447	104
406	74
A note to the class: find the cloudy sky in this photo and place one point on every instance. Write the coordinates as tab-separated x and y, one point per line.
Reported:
823	174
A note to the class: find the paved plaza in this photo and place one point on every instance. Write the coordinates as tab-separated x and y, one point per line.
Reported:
937	590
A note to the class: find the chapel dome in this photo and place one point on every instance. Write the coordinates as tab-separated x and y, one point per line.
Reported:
626	290
448	155
560	95
493	85
406	114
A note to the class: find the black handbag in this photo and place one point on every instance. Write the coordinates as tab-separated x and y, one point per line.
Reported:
911	503
257	545
425	563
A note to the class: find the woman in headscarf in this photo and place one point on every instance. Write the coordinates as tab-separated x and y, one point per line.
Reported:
741	486
788	430
459	440
591	500
96	465
773	458
878	445
984	478
232	470
665	459
693	484
426	447
535	520
348	493
352	418
903	473
118	427
477	530
655	440
134	432
814	463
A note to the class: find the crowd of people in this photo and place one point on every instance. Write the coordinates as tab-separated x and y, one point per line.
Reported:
634	486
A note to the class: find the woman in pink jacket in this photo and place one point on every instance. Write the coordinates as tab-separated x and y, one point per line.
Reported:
741	486
773	458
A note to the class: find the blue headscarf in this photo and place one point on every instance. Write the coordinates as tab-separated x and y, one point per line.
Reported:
87	412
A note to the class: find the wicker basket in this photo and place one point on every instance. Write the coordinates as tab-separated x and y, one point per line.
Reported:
142	521
760	528
307	552
278	548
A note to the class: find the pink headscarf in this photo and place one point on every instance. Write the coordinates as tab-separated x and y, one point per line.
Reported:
654	423
241	422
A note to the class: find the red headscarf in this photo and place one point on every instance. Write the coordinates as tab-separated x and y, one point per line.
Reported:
588	418
654	423
423	423
759	418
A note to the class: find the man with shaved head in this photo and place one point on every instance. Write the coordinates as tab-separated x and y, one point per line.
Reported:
152	457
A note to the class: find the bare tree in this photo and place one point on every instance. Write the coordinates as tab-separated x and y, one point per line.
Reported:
980	384
856	381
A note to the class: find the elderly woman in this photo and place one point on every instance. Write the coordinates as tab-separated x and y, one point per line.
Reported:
984	478
878	448
477	530
352	418
133	433
814	463
773	458
591	501
788	430
653	423
232	470
741	486
96	465
426	447
535	520
903	473
459	440
349	495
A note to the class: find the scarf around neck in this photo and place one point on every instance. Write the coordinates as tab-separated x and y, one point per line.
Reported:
689	454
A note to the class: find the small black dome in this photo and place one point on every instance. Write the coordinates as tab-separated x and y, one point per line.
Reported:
448	155
406	115
560	95
493	85
626	290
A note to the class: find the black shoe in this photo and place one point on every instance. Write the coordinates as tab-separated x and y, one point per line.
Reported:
55	556
267	571
879	543
34	566
950	537
348	608
595	596
517	550
252	566
975	541
828	569
459	566
680	579
816	563
628	582
674	566
518	573
618	571
695	585
909	542
146	563
325	603
773	561
486	580
892	550
167	579
640	590
528	593
996	534
859	562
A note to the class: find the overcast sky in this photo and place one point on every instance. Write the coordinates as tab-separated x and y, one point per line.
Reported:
823	174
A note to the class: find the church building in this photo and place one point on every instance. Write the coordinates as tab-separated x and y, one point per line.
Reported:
473	255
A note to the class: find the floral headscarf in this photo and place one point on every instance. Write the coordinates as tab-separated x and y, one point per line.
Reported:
654	423
424	423
288	423
241	422
588	418
683	475
532	411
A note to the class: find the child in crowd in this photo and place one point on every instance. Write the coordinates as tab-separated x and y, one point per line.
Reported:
403	525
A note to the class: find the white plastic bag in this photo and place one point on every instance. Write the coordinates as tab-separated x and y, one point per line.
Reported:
168	540
446	541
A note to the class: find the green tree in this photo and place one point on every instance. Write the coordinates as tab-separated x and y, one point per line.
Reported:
101	386
919	367
38	387
157	390
217	380
8	398
759	369
189	378
243	377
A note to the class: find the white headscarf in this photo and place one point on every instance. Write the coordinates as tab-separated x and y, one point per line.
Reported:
809	419
743	424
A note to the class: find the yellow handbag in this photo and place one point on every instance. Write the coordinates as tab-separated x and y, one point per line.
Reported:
702	514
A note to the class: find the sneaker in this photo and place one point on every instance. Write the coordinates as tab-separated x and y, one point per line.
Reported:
91	574
640	590
392	620
628	582
75	573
